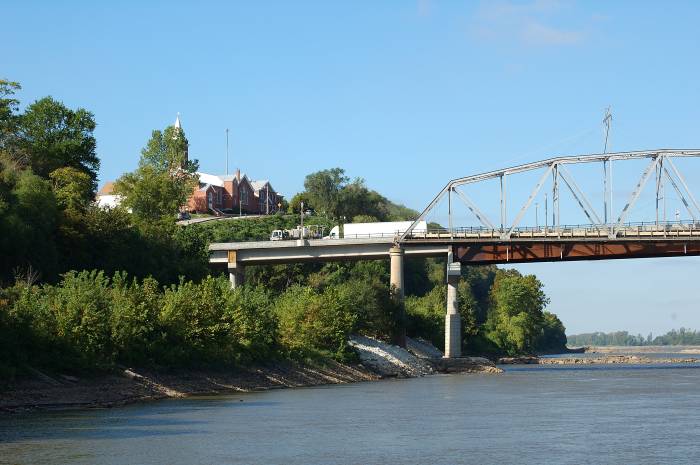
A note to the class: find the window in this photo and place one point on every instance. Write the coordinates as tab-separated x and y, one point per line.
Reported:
219	195
244	197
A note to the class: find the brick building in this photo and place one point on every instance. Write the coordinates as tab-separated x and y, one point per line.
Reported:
233	193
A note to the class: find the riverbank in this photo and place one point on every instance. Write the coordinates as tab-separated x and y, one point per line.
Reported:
378	360
58	392
604	360
630	355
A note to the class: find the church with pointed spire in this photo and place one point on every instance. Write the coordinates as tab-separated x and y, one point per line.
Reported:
216	194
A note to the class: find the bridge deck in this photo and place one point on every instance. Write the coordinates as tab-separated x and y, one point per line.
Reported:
475	247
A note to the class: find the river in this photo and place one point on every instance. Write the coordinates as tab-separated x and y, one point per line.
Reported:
530	414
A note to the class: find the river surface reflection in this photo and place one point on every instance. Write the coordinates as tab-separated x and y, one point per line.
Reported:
529	414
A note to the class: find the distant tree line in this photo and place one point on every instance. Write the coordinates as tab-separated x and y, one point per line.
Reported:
681	336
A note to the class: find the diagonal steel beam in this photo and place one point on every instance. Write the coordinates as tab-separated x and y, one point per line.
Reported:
427	210
635	195
579	196
483	219
680	194
533	194
685	186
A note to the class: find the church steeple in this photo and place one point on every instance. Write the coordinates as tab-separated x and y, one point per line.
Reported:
178	130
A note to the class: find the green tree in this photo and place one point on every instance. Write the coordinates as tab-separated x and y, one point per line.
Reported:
163	181
364	219
8	112
553	337
323	189
516	318
53	136
295	204
73	188
27	224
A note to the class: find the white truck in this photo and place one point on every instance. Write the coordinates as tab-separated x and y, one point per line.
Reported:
368	230
306	232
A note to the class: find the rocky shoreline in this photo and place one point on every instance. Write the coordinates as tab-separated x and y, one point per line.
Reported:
378	360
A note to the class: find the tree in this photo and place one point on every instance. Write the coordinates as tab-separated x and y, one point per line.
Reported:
8	112
355	199
295	203
364	219
323	189
52	136
27	224
516	318
162	182
73	188
553	337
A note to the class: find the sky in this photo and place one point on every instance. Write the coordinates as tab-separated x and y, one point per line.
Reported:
404	94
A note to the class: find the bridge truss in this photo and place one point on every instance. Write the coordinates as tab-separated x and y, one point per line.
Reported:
610	225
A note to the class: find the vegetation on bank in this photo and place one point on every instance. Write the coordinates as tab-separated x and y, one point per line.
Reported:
681	336
148	297
89	321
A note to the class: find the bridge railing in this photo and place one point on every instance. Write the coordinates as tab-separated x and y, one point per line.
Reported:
628	229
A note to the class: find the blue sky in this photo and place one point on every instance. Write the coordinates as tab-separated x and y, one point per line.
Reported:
404	94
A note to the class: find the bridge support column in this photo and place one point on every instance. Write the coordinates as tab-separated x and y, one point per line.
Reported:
396	255
453	324
236	275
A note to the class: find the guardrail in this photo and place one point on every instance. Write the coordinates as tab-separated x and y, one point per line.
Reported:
631	229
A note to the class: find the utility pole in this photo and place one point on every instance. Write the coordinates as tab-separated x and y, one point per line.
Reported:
546	215
301	213
227	151
537	219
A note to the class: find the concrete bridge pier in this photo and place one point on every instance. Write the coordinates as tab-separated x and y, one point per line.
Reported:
453	327
236	276
396	255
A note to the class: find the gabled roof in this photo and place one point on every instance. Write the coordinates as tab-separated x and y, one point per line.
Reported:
257	185
107	189
212	179
262	184
218	181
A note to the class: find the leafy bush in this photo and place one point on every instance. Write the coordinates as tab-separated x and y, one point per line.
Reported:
311	320
134	324
82	309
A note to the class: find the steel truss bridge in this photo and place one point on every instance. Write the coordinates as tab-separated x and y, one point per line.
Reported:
608	235
604	237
